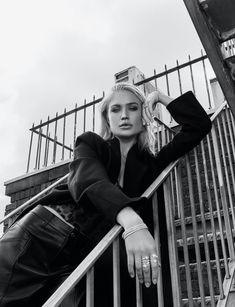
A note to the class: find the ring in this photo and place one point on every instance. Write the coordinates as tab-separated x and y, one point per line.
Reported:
145	262
154	259
145	258
145	107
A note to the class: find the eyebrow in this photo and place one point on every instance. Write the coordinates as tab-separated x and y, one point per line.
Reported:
129	103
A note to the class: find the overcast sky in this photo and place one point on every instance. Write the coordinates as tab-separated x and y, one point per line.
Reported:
55	53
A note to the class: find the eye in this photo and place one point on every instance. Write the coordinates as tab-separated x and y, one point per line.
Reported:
133	107
114	109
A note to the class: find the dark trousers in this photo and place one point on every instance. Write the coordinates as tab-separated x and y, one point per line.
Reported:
37	253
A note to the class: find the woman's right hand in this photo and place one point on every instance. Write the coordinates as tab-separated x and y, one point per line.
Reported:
142	257
151	101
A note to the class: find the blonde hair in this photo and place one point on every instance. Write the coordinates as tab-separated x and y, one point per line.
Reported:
146	139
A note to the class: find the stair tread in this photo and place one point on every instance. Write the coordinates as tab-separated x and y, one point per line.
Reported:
212	262
201	238
198	300
207	216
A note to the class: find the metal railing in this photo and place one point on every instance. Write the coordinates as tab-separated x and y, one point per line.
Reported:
199	192
52	141
201	245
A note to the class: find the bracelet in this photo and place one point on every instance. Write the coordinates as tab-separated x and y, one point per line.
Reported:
133	229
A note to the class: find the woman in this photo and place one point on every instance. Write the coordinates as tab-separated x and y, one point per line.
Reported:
110	172
107	176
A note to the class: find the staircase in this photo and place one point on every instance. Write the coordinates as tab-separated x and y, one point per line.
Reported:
199	197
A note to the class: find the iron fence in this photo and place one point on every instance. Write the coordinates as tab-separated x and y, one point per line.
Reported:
52	141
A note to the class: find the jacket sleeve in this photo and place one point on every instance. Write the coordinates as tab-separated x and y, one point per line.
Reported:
195	124
88	177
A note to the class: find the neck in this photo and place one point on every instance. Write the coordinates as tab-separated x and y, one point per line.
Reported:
125	145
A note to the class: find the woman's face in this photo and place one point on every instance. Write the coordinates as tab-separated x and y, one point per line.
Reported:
125	115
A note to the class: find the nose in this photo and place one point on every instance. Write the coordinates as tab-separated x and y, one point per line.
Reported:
124	114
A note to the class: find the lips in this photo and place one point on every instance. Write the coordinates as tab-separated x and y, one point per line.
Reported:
125	125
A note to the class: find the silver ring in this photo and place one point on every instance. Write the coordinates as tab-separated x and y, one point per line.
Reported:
145	263
154	259
145	258
145	107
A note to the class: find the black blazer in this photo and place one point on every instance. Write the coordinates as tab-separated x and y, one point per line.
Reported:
93	173
92	182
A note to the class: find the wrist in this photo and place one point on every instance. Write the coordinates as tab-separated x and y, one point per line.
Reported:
164	99
128	218
133	229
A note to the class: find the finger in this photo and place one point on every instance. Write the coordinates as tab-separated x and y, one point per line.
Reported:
155	265
130	265
145	118
152	105
138	269
147	111
146	270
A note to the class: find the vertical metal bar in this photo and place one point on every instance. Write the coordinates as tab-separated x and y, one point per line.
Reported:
63	142
47	153
55	140
40	147
179	77
70	152
37	151
204	230
195	231
229	185
155	79
46	143
225	167
30	150
222	193
75	125
205	75
116	274
211	159
167	81
172	244
191	74
168	88
231	130
163	135
90	288
139	293
180	202
213	227
93	113
144	85
158	246
37	162
84	116
232	121
158	137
